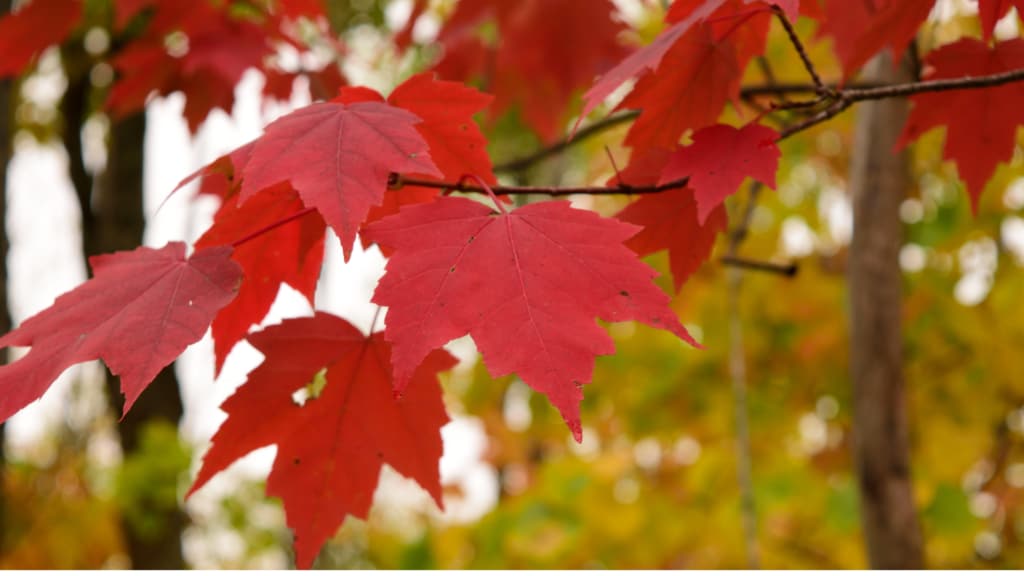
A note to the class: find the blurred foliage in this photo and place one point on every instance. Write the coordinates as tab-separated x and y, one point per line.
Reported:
148	483
654	483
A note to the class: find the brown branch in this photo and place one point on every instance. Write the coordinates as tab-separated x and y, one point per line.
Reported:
398	182
800	50
525	162
788	270
944	85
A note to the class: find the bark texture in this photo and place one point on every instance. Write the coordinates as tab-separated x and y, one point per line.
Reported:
879	181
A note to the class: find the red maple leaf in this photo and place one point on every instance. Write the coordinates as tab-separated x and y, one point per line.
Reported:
990	11
220	50
33	28
720	158
669	219
982	131
140	311
862	28
670	222
527	285
338	157
289	254
298	8
547	51
690	71
457	146
649	58
697	77
330	449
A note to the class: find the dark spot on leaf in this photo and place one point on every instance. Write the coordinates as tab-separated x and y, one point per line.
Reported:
452	269
624	293
471	238
296	461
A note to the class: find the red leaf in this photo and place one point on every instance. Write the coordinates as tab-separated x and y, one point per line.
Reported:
990	11
526	285
669	219
697	77
456	144
982	131
862	28
290	254
338	157
221	177
138	313
670	223
125	10
720	158
647	58
298	8
33	28
331	448
547	51
403	39
220	50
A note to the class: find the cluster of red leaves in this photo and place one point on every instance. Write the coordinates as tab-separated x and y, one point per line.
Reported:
197	47
529	284
544	53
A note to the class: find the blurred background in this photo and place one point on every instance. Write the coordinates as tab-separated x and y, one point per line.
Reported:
654	482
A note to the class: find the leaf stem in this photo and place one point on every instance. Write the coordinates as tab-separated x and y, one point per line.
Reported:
272	226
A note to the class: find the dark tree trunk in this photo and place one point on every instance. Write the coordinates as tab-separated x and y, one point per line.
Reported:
120	222
113	220
6	133
879	181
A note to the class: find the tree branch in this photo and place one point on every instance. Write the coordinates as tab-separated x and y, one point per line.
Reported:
800	50
397	182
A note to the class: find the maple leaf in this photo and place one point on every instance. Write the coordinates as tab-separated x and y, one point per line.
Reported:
457	146
669	219
220	50
140	311
299	8
991	11
548	50
862	28
403	38
719	159
698	76
982	132
220	178
649	58
526	285
330	449
33	28
338	157
290	254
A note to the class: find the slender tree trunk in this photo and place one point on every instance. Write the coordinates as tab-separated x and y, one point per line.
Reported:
879	181
120	223
113	220
6	133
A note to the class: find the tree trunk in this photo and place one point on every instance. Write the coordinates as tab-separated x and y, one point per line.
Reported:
113	220
120	222
879	181
6	134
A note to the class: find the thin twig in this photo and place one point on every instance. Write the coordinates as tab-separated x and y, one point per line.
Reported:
398	182
738	376
788	270
800	50
520	164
